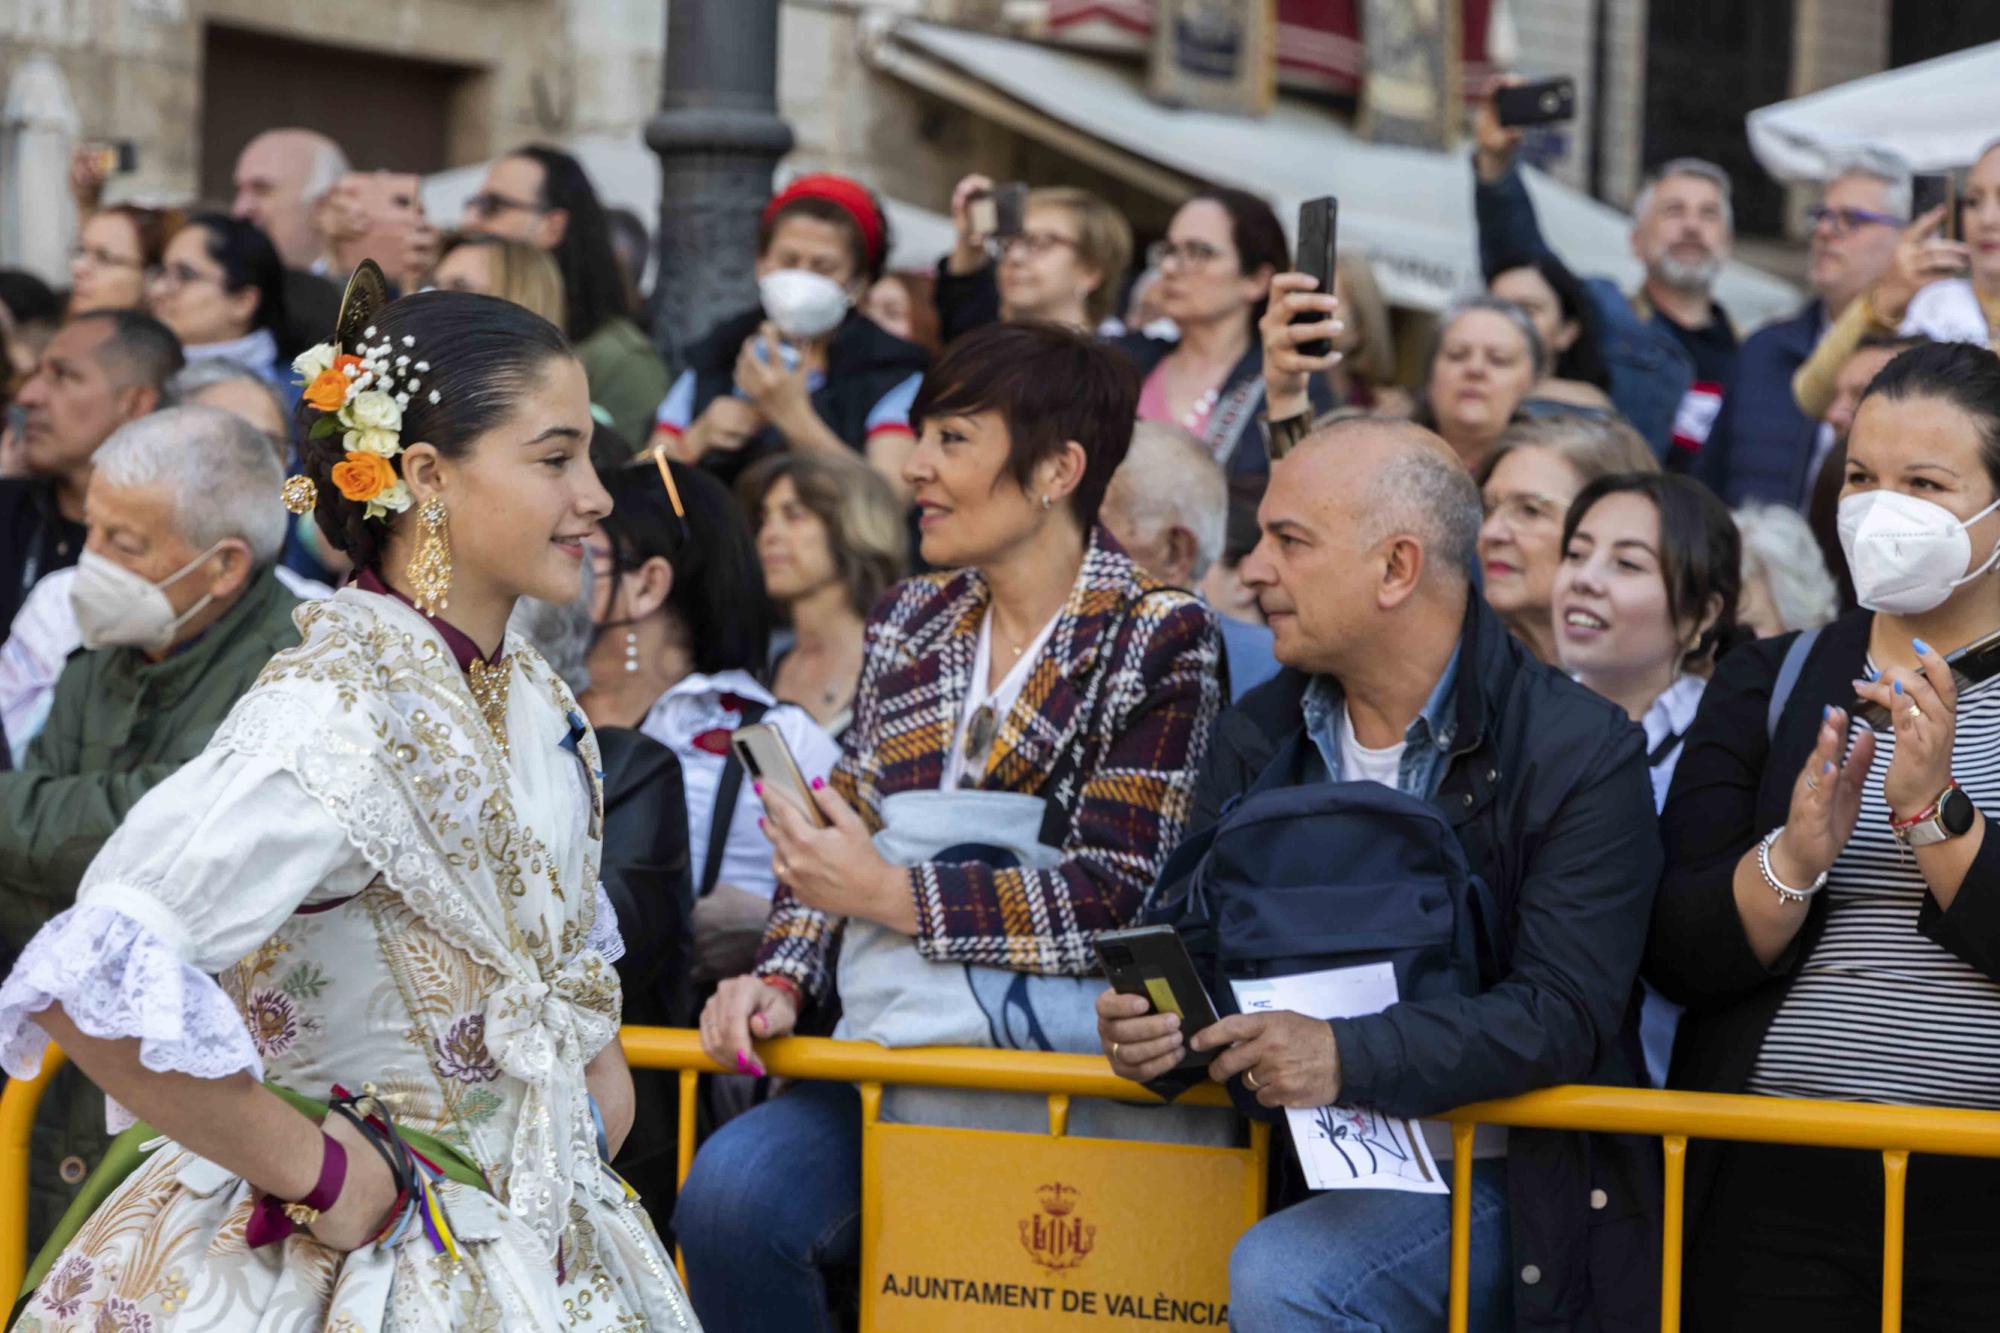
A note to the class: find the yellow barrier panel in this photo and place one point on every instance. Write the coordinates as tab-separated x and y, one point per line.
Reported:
1674	1117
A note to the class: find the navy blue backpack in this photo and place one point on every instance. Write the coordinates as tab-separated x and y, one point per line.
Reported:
1302	876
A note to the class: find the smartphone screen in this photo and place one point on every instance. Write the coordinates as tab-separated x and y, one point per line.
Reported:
1318	219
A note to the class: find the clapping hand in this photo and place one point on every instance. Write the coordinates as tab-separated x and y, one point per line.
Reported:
1826	802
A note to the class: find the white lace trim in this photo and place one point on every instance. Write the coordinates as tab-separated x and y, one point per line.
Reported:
115	978
605	937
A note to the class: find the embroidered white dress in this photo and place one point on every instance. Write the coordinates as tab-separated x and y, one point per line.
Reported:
387	897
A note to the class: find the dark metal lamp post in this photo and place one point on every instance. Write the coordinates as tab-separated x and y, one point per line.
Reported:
719	138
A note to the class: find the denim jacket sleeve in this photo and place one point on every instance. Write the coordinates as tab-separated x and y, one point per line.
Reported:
1586	889
1508	230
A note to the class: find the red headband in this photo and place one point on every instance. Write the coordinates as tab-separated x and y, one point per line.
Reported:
850	196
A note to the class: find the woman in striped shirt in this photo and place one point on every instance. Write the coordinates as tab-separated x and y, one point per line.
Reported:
1831	910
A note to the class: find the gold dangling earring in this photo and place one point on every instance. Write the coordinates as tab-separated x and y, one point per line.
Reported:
429	570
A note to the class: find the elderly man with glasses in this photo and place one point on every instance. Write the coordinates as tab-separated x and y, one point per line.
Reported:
1764	447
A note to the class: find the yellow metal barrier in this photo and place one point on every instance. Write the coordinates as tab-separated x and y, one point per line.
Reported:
1674	1117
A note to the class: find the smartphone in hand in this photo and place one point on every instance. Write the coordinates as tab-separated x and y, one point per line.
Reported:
762	751
1930	189
1543	102
1151	961
1318	237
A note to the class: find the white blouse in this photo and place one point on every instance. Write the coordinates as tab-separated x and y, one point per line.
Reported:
204	869
698	705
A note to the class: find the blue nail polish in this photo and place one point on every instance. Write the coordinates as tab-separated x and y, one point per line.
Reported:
1921	647
1873	674
1825	712
1827	767
1899	687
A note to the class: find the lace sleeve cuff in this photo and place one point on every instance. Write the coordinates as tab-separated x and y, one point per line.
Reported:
604	934
115	978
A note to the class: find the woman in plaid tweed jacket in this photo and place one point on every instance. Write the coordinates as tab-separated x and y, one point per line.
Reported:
1009	494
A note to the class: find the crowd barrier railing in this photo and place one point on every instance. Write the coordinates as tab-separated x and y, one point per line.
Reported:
961	1169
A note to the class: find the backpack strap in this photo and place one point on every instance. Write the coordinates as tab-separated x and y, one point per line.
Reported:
723	813
1788	676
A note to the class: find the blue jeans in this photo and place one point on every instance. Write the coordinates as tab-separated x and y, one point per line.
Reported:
1360	1261
772	1196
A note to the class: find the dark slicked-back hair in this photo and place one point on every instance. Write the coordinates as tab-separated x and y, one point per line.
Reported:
1962	374
138	349
1050	384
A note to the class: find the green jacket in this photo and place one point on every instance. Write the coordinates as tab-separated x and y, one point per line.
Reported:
627	378
118	726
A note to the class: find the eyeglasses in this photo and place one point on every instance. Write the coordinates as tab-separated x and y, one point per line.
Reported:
1033	244
98	257
490	204
1845	221
172	277
1191	255
1526	508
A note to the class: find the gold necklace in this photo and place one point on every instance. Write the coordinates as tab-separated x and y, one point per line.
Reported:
489	682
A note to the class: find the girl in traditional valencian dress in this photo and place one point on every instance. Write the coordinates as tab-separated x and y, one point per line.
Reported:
352	965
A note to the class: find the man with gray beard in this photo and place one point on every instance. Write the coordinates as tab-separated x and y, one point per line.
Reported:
1669	347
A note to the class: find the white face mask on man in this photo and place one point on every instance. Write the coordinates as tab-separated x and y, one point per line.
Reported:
117	608
803	304
1907	555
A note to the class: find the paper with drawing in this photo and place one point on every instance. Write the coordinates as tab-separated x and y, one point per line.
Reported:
1347	1147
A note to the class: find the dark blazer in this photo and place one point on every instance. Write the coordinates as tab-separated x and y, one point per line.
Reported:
646	874
1732	786
1762	444
1548	794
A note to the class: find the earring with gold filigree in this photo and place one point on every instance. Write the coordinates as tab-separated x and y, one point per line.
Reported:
429	570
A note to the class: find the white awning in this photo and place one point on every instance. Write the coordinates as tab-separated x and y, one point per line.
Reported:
1408	210
626	174
1937	115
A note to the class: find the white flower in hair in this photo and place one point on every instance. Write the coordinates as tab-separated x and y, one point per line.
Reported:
393	500
314	361
374	410
366	441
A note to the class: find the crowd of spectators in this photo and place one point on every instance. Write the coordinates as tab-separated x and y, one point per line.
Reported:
1066	555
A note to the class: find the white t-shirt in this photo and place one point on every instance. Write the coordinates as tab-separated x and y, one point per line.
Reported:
1358	763
1000	698
699	705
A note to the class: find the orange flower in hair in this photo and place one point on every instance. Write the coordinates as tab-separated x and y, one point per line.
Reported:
329	388
364	476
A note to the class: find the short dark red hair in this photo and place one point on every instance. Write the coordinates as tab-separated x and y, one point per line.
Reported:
1050	384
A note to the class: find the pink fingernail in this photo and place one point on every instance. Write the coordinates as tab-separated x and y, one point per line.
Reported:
757	787
818	783
745	1065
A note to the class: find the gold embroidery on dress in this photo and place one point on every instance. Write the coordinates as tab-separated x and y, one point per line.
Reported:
489	683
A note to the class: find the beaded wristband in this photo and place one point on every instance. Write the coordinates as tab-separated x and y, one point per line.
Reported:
1778	886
